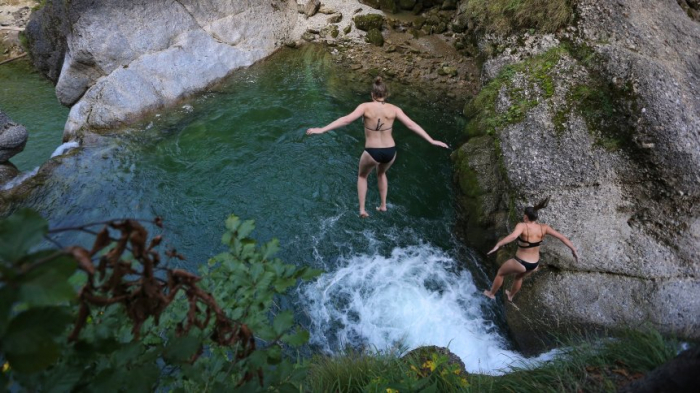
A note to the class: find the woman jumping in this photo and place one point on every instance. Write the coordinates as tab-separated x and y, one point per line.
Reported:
380	148
529	235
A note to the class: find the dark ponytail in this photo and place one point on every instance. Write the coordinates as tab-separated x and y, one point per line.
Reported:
531	211
379	89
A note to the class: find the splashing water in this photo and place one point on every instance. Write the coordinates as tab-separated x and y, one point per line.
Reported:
414	297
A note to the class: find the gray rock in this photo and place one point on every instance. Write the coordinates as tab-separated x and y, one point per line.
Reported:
120	59
13	138
312	7
633	209
336	18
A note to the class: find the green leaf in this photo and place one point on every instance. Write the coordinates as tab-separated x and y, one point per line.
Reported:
49	284
296	339
39	353
28	343
309	273
232	222
282	284
142	378
19	232
8	296
283	321
181	349
246	229
271	248
63	379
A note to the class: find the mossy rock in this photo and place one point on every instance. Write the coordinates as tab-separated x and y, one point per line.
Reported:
389	6
407	4
347	29
372	3
374	37
368	22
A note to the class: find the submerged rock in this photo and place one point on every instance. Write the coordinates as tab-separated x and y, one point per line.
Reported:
13	138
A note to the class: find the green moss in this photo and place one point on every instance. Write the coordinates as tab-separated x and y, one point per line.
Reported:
482	109
506	16
369	21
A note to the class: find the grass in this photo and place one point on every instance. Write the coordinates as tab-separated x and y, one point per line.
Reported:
385	372
508	16
586	364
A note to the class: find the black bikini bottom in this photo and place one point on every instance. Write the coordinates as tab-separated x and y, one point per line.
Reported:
528	265
382	155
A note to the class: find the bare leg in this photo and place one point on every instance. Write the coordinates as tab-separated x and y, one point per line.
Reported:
510	266
366	166
383	183
517	283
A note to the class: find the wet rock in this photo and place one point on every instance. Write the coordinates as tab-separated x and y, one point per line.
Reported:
388	6
447	71
13	138
367	22
374	37
449	5
7	172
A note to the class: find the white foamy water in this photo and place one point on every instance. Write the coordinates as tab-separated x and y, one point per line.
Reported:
414	297
19	179
64	148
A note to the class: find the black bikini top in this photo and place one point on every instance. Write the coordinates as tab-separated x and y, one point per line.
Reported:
528	244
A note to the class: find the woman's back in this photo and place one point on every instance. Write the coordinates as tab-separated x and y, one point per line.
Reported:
530	239
379	122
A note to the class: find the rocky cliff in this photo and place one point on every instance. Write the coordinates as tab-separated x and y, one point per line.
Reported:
604	116
115	60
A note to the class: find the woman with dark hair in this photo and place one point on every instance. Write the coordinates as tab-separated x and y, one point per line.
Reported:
529	235
380	148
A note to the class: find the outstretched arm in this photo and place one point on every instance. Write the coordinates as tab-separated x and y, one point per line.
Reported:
413	126
340	122
516	232
550	231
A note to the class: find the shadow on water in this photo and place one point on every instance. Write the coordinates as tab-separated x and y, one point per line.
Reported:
241	148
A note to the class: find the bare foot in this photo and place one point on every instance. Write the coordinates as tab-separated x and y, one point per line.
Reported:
510	297
364	214
488	294
380	209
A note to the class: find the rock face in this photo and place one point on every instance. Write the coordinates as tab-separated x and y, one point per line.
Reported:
605	118
116	60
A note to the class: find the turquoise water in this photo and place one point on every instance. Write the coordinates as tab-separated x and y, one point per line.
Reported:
397	277
29	99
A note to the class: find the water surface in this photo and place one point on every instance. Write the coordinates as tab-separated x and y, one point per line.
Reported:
397	278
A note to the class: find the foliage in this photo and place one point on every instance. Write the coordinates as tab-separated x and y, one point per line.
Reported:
385	372
507	16
137	325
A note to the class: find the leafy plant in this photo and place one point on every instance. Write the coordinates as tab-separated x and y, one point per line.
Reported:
135	325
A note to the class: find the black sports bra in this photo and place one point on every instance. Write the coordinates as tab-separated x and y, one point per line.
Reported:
528	244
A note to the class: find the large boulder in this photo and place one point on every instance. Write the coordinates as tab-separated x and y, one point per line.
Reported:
608	124
13	138
117	60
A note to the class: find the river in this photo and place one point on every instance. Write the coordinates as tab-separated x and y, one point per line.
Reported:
398	278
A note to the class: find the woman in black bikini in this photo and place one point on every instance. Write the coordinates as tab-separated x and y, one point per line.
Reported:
529	235
380	148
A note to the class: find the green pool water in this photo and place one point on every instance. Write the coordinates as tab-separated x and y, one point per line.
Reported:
29	99
241	148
